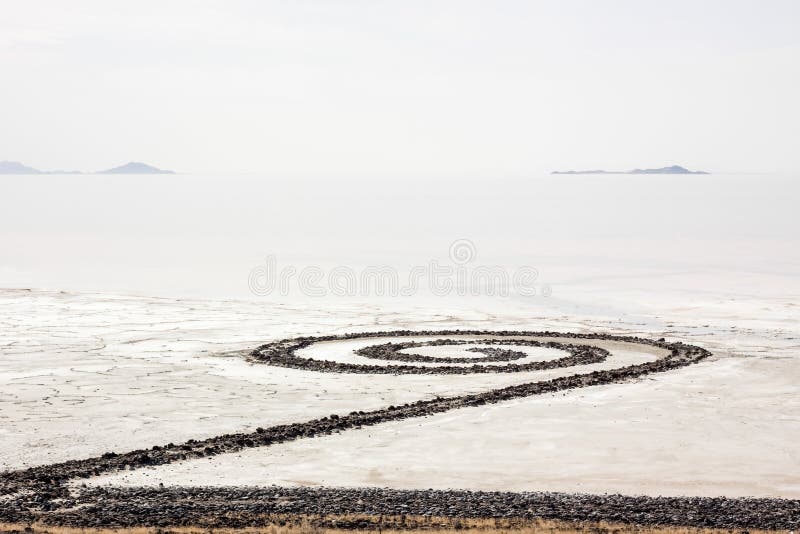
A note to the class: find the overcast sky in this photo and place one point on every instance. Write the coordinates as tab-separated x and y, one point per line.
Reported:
370	88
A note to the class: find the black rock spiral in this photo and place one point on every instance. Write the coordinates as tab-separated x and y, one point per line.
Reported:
283	354
41	494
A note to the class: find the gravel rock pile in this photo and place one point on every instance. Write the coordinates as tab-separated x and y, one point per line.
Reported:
241	507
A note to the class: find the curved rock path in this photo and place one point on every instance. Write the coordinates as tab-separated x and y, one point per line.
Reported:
45	494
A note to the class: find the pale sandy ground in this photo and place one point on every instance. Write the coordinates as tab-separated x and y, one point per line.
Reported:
83	373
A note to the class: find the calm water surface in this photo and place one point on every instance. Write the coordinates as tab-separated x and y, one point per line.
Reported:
201	235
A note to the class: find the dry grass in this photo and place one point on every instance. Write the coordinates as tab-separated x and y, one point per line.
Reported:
389	525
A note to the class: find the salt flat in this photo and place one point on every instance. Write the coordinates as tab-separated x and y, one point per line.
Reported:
86	373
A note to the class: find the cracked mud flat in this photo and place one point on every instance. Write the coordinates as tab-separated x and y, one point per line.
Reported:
729	435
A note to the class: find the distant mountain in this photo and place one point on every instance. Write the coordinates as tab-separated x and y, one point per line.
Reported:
15	167
673	169
135	167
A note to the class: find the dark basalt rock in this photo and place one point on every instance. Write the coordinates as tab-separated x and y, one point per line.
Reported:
392	351
579	355
242	507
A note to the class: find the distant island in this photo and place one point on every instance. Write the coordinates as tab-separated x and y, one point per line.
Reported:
673	169
134	167
15	167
